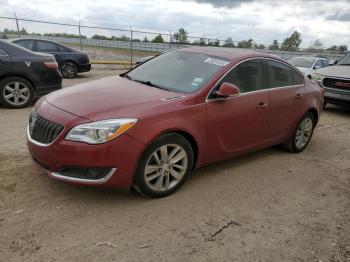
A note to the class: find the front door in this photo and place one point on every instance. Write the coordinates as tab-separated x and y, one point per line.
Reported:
237	124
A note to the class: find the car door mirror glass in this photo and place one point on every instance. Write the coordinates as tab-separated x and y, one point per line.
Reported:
227	89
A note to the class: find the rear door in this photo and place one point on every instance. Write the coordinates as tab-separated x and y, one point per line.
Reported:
238	124
48	47
5	63
286	87
26	43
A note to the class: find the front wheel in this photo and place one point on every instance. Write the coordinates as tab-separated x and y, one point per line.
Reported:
302	135
164	166
69	70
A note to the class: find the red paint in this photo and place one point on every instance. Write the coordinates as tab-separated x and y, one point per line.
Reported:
221	128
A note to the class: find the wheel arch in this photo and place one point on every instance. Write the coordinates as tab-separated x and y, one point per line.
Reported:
315	113
21	76
184	133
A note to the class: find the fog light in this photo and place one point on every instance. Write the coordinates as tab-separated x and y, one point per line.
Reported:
91	173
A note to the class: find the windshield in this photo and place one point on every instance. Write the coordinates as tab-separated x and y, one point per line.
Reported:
345	60
302	61
177	71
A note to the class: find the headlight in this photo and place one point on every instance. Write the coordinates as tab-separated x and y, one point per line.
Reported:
100	131
316	77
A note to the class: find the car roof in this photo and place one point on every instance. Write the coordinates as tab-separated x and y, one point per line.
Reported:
40	39
228	53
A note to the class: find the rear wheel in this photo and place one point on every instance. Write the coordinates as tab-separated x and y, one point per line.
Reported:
16	92
164	166
302	135
69	69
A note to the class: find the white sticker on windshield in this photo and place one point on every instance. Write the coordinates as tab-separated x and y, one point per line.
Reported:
196	81
215	61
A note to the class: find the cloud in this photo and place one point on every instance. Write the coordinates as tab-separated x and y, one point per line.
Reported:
262	20
345	17
224	3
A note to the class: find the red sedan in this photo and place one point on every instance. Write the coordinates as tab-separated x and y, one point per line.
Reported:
184	109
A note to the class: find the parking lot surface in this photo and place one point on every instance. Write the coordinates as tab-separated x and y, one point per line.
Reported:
266	206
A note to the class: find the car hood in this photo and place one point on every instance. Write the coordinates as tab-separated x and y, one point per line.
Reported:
114	97
335	71
306	71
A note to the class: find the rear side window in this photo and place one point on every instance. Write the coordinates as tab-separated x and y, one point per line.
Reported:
248	76
297	78
28	44
44	46
280	75
62	48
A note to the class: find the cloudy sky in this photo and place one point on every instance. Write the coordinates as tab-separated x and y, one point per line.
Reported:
262	20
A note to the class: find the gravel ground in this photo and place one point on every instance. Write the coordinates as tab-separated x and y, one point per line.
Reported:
266	206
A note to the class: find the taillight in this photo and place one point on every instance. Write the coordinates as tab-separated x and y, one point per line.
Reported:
51	65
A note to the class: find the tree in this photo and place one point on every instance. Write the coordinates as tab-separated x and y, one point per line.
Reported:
316	45
201	41
215	42
275	45
158	39
145	40
229	42
246	43
333	48
342	48
259	46
181	36
292	42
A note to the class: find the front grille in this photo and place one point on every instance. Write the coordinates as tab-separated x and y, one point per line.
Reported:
336	83
43	130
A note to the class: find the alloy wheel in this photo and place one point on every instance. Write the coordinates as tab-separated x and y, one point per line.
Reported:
304	132
16	93
69	70
166	167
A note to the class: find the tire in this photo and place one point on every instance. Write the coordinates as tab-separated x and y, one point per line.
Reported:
69	69
161	172
16	92
302	134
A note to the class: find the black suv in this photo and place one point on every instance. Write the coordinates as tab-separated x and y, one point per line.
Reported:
25	75
70	61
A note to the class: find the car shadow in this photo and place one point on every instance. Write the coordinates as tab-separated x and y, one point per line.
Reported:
342	110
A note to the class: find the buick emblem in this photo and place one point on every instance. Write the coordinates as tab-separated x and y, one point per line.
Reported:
32	124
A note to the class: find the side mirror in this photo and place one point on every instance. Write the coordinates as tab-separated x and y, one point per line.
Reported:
333	62
226	90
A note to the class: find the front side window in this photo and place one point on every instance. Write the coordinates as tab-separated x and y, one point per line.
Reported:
280	75
177	71
318	64
28	44
247	76
325	63
44	46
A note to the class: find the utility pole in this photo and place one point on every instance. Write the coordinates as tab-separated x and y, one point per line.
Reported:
131	46
19	33
80	41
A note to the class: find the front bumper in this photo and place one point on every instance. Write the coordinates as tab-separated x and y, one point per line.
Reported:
335	96
120	155
84	68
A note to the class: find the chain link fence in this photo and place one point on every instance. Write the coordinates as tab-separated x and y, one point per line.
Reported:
127	44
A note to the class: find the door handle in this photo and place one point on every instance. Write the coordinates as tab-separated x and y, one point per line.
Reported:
261	106
299	96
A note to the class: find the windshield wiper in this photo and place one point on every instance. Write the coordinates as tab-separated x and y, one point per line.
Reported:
149	83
